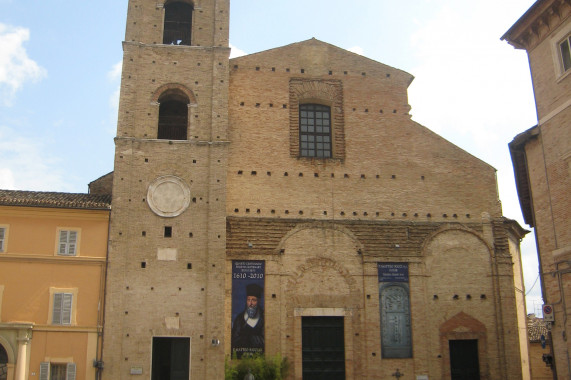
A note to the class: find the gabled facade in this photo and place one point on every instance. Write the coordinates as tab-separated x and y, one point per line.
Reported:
52	272
284	202
541	159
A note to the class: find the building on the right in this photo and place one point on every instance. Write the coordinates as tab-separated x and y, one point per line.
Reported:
541	158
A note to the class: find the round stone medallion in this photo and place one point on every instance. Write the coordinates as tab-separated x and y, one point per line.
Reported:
168	196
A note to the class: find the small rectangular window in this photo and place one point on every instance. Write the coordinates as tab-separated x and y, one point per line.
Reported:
565	50
67	243
62	309
2	238
168	232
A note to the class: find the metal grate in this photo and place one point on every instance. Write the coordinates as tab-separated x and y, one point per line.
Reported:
314	130
173	120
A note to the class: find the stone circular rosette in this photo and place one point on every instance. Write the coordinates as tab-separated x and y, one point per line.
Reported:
168	196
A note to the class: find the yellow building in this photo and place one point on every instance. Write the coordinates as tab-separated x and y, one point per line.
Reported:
52	268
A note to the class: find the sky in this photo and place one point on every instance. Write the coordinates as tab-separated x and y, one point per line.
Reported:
60	70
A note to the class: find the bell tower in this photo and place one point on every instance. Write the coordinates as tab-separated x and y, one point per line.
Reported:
164	307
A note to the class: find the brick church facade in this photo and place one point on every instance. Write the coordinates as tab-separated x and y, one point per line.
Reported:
285	202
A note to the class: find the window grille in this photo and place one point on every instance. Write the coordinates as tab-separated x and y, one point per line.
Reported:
314	130
173	120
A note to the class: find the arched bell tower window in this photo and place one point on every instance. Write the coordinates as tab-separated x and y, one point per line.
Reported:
178	23
173	116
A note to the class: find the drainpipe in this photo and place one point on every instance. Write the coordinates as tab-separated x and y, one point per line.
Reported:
559	273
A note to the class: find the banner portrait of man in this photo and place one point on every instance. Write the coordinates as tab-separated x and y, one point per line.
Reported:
247	307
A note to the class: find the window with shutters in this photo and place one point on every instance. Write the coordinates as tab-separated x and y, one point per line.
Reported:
3	233
68	242
57	371
62	309
178	23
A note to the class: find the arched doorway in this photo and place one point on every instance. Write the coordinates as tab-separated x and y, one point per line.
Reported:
3	363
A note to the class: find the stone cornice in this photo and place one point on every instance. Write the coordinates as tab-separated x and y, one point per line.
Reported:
539	21
31	258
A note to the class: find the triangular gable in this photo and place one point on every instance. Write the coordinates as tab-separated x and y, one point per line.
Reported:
314	51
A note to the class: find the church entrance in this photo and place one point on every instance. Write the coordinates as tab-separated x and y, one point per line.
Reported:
464	364
323	348
170	358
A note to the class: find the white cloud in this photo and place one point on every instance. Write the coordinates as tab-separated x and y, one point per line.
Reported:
16	68
114	76
7	181
470	82
475	90
235	52
357	50
24	164
115	73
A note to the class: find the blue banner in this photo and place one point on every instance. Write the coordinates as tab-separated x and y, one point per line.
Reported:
392	272
248	307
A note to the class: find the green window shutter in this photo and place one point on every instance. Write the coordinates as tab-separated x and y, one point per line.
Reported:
44	371
61	314
66	309
57	311
63	242
70	371
72	243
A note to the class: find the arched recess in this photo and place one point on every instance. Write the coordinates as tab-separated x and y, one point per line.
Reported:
319	263
320	274
177	28
320	226
453	227
463	327
174	101
463	257
460	283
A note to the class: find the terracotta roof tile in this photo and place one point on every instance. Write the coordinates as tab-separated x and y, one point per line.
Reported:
55	200
536	327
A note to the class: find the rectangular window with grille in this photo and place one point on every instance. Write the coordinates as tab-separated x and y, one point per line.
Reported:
62	308
314	130
67	243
